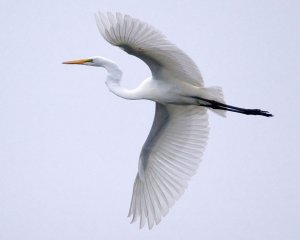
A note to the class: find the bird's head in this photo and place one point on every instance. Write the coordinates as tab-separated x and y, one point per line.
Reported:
92	61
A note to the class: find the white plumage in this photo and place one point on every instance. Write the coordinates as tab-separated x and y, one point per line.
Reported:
173	149
142	40
170	156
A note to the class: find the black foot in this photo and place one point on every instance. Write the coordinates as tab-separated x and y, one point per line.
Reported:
216	105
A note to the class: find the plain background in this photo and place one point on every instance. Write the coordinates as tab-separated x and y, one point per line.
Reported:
69	148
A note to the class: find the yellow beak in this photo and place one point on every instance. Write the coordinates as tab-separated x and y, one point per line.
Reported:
81	61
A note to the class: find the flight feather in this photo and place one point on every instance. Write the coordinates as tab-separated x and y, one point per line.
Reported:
169	158
165	59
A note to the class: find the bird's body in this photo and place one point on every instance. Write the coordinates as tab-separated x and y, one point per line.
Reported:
173	149
170	90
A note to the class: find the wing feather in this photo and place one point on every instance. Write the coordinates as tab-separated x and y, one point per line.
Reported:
137	38
169	158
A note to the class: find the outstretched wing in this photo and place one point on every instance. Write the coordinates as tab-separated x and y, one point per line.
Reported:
165	60
170	156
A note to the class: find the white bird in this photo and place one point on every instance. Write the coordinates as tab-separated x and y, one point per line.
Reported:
173	149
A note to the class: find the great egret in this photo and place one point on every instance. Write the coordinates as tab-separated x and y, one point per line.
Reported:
172	151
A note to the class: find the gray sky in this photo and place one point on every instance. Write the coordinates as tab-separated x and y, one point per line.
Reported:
69	148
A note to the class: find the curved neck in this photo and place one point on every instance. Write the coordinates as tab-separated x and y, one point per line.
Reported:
113	82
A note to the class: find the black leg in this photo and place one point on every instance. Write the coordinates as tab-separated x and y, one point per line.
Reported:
217	105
